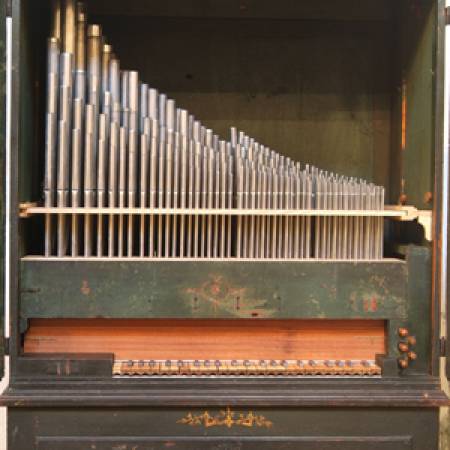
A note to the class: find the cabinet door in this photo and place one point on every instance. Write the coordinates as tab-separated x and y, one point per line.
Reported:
5	42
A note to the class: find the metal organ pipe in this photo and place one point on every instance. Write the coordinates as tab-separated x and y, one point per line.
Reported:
154	182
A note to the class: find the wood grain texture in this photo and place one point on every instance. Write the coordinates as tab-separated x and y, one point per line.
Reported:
389	211
209	339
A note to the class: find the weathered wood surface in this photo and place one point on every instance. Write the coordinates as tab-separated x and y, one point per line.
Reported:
80	289
224	428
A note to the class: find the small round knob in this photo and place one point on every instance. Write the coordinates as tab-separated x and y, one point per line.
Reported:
403	363
412	340
412	356
403	347
403	332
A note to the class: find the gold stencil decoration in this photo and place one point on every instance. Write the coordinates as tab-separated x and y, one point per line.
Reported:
227	418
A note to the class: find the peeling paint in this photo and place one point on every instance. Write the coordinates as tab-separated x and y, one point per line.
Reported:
85	289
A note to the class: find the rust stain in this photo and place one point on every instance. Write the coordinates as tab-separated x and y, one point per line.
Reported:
404	108
374	305
366	306
370	305
85	289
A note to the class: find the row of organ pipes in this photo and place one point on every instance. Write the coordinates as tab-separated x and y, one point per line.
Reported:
174	188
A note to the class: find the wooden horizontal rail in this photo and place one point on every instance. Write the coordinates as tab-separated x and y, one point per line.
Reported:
197	259
408	213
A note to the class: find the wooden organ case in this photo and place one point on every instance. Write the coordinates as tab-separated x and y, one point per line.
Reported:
223	224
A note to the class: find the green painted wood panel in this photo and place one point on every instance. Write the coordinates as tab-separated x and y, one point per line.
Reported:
130	289
158	428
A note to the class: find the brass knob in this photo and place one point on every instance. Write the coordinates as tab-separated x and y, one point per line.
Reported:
412	356
403	347
403	332
403	363
412	340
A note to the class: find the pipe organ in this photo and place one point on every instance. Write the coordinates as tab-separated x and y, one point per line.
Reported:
223	220
142	177
130	174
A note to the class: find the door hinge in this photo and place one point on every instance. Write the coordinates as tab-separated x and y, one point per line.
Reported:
6	345
447	15
443	346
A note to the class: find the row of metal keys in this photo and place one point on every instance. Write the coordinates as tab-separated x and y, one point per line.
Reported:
245	367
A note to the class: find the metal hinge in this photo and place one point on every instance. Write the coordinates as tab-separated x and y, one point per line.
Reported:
6	345
443	346
447	15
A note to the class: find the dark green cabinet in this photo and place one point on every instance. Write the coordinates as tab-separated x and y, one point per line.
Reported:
341	68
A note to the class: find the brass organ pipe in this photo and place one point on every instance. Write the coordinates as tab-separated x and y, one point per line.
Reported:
93	85
170	149
153	176
133	106
78	119
106	64
122	186
77	143
51	136
69	29
80	56
89	177
175	186
56	20
230	200
122	143
223	195
101	178
64	135
144	176
112	183
190	194
184	136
